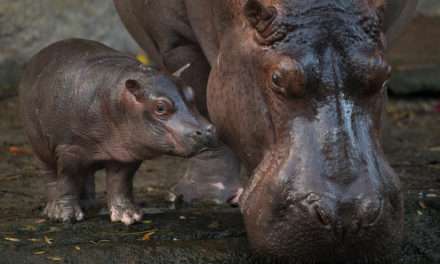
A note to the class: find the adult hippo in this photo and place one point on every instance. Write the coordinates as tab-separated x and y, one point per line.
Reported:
297	89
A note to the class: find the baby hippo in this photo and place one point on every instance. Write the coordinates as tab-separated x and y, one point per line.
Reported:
87	107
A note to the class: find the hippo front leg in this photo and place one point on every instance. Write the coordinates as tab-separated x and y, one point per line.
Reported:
120	192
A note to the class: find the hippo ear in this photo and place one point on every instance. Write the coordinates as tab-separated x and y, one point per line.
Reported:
180	71
256	13
135	89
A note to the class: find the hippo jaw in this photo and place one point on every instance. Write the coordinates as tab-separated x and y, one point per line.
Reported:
324	192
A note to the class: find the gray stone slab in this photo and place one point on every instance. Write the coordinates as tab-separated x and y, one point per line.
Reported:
27	26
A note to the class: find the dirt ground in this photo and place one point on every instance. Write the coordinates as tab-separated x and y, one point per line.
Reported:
195	234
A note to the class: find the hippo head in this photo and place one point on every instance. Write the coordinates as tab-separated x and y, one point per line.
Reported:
163	117
306	87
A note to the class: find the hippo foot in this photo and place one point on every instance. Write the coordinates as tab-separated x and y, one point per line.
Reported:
66	209
125	211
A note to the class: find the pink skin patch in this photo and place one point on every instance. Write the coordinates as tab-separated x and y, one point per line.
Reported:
128	216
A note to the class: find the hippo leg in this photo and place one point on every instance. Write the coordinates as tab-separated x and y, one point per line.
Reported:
120	192
88	195
64	189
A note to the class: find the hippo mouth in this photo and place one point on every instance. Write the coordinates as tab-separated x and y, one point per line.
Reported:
187	148
310	231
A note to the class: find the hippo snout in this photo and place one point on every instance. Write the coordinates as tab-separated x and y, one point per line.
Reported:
191	133
205	136
347	216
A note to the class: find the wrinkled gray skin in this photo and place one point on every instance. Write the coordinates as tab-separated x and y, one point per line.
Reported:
296	89
87	107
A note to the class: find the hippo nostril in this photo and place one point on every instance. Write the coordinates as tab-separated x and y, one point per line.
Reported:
312	198
371	210
198	133
210	129
323	216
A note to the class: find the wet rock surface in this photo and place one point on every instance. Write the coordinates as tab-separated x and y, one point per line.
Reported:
176	233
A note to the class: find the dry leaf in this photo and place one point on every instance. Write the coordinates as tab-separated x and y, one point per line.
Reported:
214	225
143	59
435	149
147	236
34	240
39	252
55	258
77	248
12	239
40	221
14	150
49	241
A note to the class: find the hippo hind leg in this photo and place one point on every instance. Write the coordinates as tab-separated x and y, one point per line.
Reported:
64	186
120	199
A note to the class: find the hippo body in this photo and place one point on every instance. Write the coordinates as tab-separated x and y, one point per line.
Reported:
297	89
87	107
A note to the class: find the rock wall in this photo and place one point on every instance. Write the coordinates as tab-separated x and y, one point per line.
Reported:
26	26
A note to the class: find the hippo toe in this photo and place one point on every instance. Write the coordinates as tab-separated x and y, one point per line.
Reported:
125	211
64	209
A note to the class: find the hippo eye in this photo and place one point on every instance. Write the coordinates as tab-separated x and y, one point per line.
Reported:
162	107
276	78
288	79
278	82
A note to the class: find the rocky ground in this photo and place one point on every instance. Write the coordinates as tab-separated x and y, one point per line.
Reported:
174	233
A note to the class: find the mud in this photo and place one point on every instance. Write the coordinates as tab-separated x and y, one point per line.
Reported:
200	233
